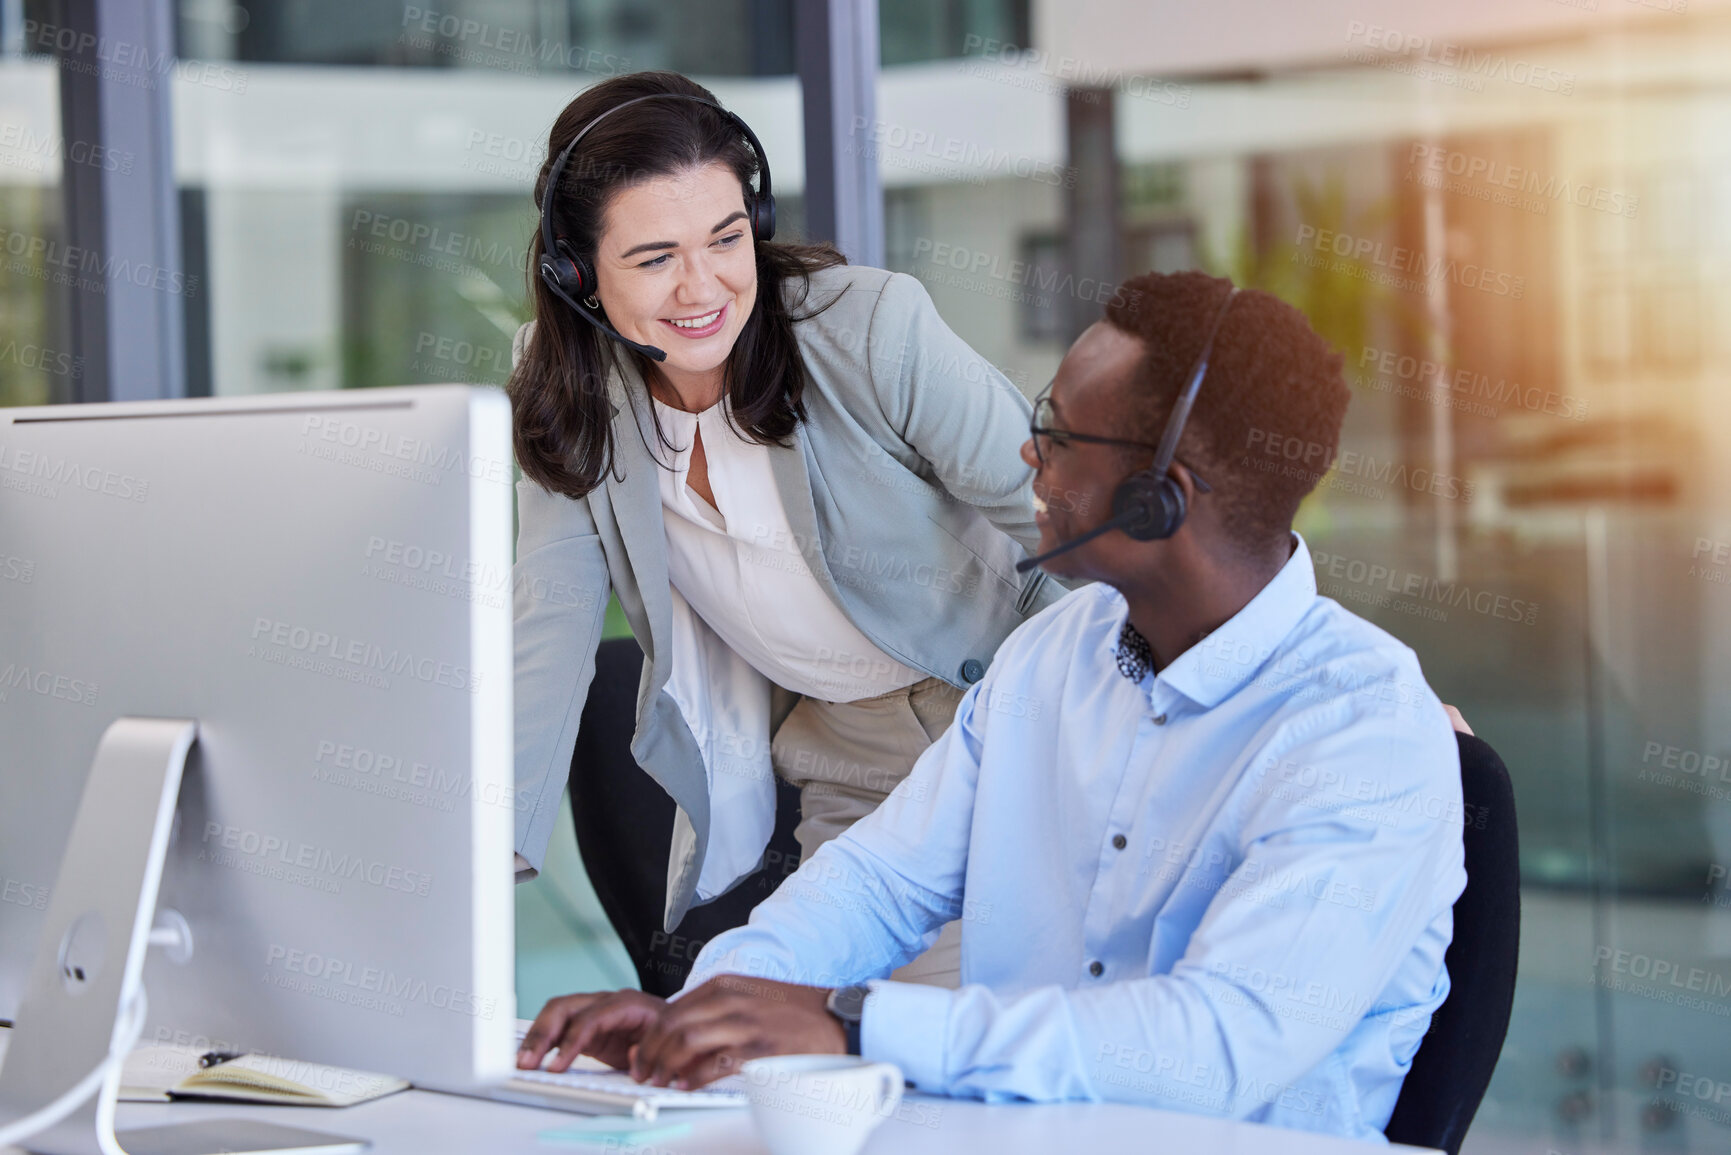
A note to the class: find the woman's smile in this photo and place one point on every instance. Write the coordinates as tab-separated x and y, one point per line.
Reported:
699	325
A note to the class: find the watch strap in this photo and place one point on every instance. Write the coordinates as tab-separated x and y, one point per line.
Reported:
847	1004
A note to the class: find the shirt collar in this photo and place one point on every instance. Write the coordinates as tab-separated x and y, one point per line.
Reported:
1213	669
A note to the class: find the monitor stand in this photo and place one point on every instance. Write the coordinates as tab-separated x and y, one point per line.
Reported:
83	994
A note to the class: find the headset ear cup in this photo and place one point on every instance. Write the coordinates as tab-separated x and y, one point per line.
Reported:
1156	504
573	274
763	218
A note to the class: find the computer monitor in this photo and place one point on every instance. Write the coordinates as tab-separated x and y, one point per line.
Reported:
322	583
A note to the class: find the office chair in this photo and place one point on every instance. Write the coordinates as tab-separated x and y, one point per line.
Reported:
624	822
1454	1062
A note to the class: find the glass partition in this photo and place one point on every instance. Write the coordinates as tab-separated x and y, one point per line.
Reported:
1519	247
38	363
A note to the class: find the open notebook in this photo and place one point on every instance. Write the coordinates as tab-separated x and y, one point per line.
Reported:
158	1074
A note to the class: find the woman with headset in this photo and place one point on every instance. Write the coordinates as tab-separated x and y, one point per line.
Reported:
794	476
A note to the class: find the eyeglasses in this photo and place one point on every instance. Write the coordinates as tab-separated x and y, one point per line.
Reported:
1046	435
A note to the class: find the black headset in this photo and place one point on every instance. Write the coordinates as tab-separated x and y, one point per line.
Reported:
1149	505
568	276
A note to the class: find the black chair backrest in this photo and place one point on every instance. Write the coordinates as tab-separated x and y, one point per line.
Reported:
1454	1063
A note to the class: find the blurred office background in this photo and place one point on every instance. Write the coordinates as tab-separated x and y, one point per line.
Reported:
1532	195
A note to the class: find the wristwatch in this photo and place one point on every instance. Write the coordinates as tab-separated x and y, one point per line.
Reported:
848	1005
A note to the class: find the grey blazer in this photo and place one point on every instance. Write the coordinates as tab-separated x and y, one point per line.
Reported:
897	487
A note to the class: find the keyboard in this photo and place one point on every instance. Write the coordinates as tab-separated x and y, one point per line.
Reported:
607	1092
593	1088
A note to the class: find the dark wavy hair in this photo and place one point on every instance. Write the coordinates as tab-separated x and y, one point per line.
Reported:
561	417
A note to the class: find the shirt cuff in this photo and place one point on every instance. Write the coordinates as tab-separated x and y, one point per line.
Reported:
906	1024
524	871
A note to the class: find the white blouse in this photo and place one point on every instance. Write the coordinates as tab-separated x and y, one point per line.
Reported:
739	568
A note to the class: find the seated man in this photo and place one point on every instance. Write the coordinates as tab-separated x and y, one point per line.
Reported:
1201	825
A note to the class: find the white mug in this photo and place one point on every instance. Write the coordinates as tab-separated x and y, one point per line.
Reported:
820	1104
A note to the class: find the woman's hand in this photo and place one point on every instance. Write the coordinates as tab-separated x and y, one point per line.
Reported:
1456	720
607	1025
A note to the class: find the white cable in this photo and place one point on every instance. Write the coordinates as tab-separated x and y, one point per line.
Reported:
124	1040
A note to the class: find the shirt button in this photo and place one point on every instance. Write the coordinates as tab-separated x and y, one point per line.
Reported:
973	670
1159	719
1119	842
1096	968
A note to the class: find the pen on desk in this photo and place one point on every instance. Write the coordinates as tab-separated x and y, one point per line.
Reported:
216	1058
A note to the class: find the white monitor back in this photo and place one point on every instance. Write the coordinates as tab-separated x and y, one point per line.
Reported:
322	581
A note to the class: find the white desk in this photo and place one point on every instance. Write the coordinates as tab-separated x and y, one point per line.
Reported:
424	1123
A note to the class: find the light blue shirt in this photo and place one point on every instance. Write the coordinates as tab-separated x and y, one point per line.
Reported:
1225	889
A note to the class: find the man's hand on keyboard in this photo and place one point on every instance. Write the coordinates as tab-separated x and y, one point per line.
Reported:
709	1032
606	1025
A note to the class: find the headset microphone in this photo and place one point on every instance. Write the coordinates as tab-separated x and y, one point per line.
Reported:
1116	521
568	276
1149	505
552	282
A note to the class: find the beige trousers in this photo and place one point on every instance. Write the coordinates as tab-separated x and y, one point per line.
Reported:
846	757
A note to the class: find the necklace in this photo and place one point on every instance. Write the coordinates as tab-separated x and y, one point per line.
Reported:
1135	655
